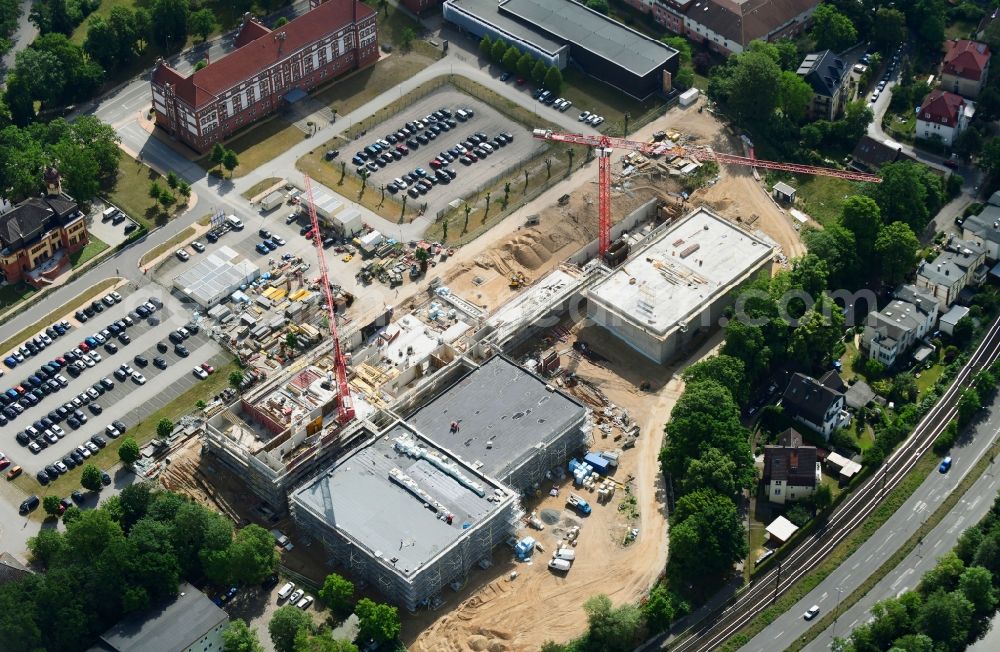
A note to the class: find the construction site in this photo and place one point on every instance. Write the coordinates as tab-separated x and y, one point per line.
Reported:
438	449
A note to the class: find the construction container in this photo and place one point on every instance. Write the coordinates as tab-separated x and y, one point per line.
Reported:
598	462
565	554
688	97
272	201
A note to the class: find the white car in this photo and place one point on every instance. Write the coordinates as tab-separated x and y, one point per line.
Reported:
62	467
583	116
304	602
183	255
95	356
200	373
117	297
138	378
127	369
596	122
295	597
87	360
83	450
101	339
112	432
56	429
92	447
811	612
286	590
402	185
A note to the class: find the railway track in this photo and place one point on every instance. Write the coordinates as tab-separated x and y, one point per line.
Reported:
764	590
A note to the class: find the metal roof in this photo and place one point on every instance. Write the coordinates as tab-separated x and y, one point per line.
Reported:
485	11
503	413
168	627
217	275
360	499
585	28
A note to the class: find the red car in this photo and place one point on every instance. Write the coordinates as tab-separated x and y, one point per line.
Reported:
402	149
4	463
207	367
952	163
519	81
435	164
84	347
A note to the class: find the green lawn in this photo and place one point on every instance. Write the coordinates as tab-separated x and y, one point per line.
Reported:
365	85
588	94
959	29
131	191
79	34
258	144
927	379
11	295
823	197
901	126
94	247
847	373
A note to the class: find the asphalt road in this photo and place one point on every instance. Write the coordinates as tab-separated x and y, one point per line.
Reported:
966	513
884	543
22	36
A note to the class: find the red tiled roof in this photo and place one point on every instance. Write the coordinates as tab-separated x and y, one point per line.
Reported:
941	107
966	59
203	86
250	31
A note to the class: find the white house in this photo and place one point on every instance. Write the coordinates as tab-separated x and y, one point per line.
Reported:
943	116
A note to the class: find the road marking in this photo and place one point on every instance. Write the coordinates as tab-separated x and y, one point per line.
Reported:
900	578
780	634
846	577
869	558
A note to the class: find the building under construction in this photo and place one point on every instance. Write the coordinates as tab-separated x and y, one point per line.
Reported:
677	282
406	515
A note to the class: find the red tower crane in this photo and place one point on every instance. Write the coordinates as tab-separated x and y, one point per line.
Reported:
345	404
605	145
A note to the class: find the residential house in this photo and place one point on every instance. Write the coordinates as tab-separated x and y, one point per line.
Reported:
827	74
892	331
11	568
965	68
951	318
39	229
961	263
791	470
984	230
870	154
189	622
943	116
267	70
817	404
728	26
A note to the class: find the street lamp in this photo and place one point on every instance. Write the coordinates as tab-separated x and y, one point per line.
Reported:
836	613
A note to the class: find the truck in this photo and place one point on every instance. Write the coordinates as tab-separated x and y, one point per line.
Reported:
272	201
560	565
579	503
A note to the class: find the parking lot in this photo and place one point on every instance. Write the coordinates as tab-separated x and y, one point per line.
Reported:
469	176
127	401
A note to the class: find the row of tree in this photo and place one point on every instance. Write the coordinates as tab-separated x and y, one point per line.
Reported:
119	558
9	12
949	609
515	62
53	72
839	24
60	16
85	151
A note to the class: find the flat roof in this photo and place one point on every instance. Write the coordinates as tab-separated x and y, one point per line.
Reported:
502	410
685	268
216	275
485	11
171	626
593	31
363	496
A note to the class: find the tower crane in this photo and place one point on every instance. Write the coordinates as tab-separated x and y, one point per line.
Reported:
606	144
345	404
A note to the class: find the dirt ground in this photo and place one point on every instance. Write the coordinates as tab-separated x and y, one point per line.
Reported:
497	613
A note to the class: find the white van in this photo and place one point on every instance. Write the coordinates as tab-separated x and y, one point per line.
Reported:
108	213
286	590
560	565
567	554
234	222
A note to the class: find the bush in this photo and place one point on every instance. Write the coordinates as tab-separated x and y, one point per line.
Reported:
798	515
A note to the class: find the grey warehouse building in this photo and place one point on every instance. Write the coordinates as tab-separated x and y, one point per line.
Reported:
561	32
406	516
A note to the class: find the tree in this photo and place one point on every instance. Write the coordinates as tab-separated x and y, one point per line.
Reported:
553	79
538	72
906	195
749	86
218	154
321	641
251	555
809	273
51	505
823	497
794	95
164	428
989	158
91	478
202	23
681	44
832	29
946	618
337	594
888	29
524	65
406	37
230	161
238	637
18	98
600	6
511	59
184	188
861	216
46	546
816	335
486	46
72	513
169	21
660	609
963	331
376	621
610	629
422	257
896	248
172	179
285	624
44	74
134	500
281	22
236	379
711	470
835	246
976	583
498	51
726	370
706	538
93	534
167	200
128	452
155	190
968	406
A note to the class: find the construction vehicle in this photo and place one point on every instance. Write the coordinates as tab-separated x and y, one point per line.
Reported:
579	503
517	280
606	144
345	403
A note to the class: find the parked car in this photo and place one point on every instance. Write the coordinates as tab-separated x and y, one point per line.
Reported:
182	255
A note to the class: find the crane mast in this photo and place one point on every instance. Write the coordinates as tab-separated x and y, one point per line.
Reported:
345	404
606	144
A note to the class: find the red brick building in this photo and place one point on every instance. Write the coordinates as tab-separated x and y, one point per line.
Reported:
267	66
39	228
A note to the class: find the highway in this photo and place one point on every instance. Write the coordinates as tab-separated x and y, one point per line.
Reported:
714	629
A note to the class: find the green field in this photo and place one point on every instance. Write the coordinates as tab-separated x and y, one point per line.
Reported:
823	197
